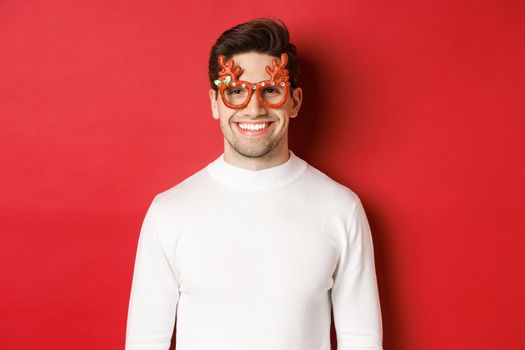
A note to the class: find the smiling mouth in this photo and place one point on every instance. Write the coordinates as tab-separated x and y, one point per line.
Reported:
253	129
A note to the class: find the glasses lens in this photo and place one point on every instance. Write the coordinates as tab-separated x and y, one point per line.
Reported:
236	95
273	94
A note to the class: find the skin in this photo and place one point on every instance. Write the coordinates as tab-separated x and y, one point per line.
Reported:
255	152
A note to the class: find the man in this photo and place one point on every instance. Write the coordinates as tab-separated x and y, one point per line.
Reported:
253	251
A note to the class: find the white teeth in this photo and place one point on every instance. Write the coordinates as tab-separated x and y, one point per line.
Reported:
247	126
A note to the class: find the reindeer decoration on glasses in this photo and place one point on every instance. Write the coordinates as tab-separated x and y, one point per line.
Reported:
270	93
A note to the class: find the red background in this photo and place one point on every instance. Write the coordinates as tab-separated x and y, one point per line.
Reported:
415	105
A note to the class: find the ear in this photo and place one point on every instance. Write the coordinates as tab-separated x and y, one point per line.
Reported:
213	101
297	99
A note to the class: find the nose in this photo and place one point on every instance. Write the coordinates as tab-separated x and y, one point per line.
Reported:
254	108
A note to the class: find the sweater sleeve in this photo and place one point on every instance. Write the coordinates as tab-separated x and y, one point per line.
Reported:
355	297
154	292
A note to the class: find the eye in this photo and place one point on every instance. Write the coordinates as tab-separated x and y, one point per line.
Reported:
270	90
234	91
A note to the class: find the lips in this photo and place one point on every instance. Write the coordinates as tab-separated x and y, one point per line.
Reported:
253	128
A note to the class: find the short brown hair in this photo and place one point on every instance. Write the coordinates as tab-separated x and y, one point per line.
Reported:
262	35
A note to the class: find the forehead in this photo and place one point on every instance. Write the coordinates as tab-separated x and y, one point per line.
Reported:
253	65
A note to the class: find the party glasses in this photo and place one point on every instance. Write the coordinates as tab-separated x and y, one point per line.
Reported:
270	93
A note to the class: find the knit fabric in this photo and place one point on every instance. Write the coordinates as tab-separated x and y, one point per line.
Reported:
255	260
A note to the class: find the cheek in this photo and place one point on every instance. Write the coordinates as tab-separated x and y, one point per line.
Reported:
286	109
226	119
282	115
225	114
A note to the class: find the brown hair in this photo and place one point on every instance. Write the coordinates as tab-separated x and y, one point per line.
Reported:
262	35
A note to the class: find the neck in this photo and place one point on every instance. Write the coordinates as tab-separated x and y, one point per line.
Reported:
246	180
279	155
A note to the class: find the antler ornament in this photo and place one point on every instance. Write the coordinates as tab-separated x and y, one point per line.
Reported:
229	74
277	71
228	71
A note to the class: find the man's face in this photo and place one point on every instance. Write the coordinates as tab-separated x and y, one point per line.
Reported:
255	131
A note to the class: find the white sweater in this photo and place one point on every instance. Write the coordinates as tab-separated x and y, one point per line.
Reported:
254	260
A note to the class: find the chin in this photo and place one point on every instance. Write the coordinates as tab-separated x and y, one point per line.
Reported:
253	153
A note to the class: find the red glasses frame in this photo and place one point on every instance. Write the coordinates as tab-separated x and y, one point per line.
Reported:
228	78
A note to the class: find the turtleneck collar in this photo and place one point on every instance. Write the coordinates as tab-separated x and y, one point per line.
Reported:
256	180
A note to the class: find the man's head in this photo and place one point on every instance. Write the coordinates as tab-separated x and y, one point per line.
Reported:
257	49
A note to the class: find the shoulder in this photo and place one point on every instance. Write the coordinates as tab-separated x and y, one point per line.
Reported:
186	191
328	189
